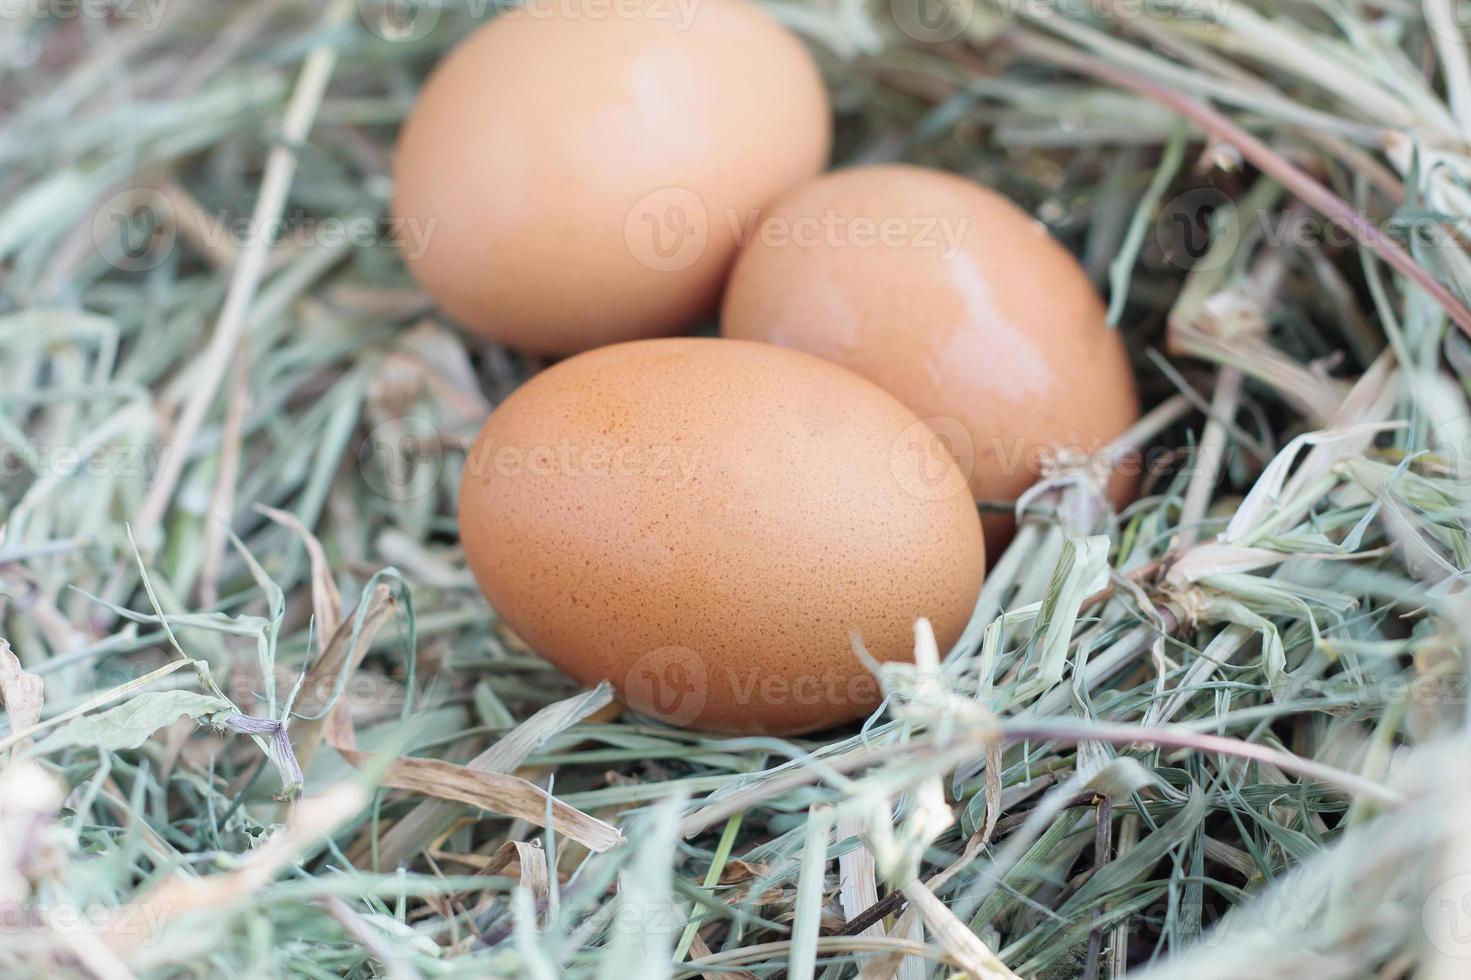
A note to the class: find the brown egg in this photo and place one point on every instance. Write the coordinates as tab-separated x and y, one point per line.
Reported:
705	523
576	172
953	300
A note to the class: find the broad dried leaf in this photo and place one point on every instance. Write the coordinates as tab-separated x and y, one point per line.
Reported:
530	866
737	871
131	724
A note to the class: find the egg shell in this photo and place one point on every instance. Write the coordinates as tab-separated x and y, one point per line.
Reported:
705	523
955	301
576	172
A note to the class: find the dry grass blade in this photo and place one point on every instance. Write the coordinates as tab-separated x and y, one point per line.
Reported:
529	862
494	791
964	948
331	672
225	343
857	886
1271	162
22	695
174	900
811	893
431	818
326	599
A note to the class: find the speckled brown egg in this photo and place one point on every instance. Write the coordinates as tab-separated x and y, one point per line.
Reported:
706	523
577	172
955	301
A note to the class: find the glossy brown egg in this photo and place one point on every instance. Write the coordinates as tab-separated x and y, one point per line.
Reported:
953	300
576	173
706	523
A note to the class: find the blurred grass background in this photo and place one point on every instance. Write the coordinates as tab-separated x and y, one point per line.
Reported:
1228	741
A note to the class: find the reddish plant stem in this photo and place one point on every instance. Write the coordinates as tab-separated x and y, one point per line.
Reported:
1266	159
